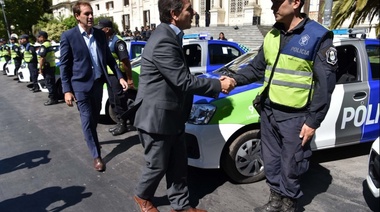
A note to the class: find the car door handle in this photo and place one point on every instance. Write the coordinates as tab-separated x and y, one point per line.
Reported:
360	96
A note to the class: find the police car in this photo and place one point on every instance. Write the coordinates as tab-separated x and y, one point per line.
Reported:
373	177
225	132
204	55
201	53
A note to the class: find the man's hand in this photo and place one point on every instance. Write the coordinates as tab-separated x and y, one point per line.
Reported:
130	84
40	71
306	134
69	99
227	84
123	84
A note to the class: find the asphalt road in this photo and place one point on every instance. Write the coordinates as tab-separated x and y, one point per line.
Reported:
45	166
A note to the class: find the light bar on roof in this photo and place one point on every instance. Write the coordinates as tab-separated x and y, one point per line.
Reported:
198	36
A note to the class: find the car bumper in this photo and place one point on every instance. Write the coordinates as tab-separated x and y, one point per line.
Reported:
205	143
373	177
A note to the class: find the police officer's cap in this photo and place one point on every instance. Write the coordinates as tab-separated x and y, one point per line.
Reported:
103	23
13	38
43	34
25	36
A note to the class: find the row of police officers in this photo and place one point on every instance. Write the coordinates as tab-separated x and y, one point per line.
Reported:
40	59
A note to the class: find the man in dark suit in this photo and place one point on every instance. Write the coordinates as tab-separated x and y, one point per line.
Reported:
84	58
164	100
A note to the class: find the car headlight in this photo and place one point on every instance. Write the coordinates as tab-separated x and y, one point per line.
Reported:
201	113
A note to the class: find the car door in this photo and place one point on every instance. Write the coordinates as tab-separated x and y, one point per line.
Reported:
371	129
349	102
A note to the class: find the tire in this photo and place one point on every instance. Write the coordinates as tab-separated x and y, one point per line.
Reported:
111	113
130	101
242	161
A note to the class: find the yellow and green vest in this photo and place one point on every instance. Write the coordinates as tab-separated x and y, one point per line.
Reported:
50	57
289	71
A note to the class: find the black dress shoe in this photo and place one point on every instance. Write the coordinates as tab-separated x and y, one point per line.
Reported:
99	165
51	102
36	90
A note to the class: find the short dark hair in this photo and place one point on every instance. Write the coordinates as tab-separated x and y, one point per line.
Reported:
165	6
76	7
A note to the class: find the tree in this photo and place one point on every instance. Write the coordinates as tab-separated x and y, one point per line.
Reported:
23	14
361	10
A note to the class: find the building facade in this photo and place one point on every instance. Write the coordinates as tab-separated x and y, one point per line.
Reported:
137	13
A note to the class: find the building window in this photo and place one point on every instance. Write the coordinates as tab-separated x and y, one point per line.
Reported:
109	5
237	7
126	2
97	6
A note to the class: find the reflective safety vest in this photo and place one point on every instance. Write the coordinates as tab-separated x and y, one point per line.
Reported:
13	53
50	57
112	48
27	55
5	51
289	72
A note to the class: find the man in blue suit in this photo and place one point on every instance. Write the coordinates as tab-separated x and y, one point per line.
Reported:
84	58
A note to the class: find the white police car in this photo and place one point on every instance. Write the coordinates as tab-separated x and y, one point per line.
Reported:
204	55
373	177
225	132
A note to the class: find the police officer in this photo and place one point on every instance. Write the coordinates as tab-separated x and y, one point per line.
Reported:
117	97
16	55
30	57
298	63
4	54
47	66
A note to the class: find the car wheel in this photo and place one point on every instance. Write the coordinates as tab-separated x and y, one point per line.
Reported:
111	113
242	160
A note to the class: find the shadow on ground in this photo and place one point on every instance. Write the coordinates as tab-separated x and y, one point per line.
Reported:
52	199
26	160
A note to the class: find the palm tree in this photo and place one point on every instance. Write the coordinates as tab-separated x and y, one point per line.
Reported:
362	9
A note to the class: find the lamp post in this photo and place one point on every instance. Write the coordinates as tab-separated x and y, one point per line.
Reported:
5	18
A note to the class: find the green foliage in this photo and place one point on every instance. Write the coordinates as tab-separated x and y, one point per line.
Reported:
69	22
361	10
23	14
55	30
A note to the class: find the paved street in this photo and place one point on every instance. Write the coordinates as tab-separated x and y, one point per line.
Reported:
45	166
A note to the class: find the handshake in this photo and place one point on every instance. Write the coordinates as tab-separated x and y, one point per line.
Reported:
227	84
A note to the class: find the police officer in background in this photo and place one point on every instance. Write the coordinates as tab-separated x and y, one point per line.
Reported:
117	97
4	53
30	57
47	66
298	63
16	55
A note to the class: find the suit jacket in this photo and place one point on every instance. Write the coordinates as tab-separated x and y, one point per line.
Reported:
166	86
76	66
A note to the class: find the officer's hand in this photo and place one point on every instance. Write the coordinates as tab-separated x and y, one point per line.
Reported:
306	134
69	99
40	71
123	84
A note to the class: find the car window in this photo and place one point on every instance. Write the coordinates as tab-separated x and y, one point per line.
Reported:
374	60
348	66
137	50
193	55
222	54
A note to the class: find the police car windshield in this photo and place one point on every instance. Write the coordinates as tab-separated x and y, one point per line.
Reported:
238	63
